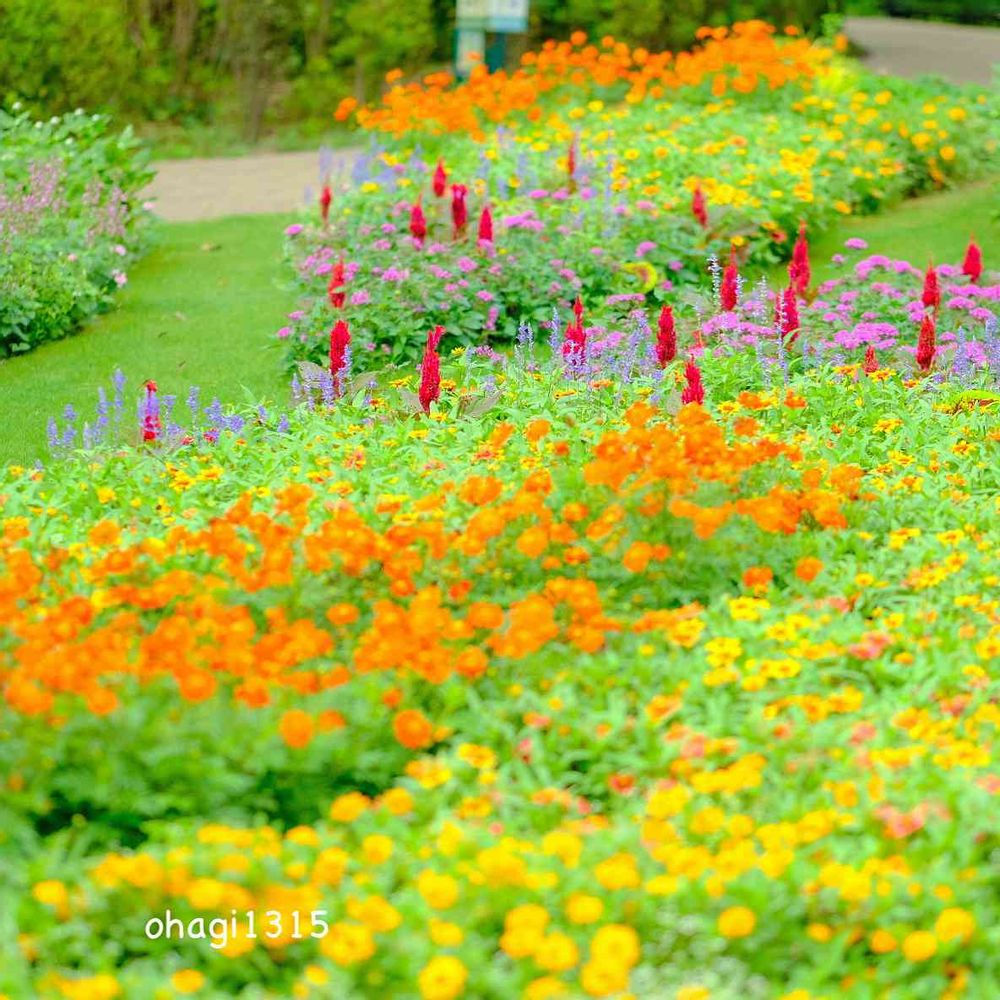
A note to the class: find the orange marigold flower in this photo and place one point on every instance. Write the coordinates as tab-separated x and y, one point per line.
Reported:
808	568
342	614
296	728
471	662
757	578
413	729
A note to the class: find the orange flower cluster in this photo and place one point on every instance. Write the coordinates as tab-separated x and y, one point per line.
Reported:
415	583
741	59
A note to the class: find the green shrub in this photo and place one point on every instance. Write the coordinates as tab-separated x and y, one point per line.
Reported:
70	220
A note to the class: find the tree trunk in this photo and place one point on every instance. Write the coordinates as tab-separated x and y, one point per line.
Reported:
185	21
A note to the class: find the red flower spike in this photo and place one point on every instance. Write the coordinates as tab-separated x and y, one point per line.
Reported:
931	296
574	341
325	199
459	209
440	179
666	338
729	292
972	266
926	344
430	370
787	315
871	361
151	418
699	208
800	271
337	282
418	224
578	309
571	164
694	391
486	226
340	339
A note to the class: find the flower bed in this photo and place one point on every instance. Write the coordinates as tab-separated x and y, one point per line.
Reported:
651	655
70	222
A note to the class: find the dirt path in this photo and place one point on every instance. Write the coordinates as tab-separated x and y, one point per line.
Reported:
910	48
186	190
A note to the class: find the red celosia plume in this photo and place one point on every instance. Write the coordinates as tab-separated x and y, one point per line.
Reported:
926	344
418	223
699	208
871	361
325	198
337	281
729	292
799	270
340	339
575	340
440	179
787	314
459	209
694	391
486	226
931	296
430	370
972	266
666	337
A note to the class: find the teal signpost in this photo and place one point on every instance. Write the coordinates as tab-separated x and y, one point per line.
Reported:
474	19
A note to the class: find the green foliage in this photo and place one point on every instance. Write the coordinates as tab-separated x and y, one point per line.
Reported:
963	11
659	25
69	222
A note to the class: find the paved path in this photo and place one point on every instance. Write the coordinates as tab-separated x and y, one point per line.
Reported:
911	48
185	190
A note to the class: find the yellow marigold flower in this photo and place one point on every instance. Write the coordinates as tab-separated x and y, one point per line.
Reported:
583	909
398	801
545	988
557	952
955	922
103	987
331	863
375	913
615	944
442	978
53	893
666	802
438	891
882	942
347	808
601	980
347	944
618	872
377	848
564	846
737	922
693	993
919	946
187	981
445	934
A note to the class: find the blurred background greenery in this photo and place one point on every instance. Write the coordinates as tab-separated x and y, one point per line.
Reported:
205	76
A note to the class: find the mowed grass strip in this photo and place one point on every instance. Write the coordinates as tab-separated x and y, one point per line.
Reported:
935	228
200	309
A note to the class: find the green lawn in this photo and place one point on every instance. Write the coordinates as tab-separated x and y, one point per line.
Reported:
202	316
190	315
935	227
